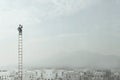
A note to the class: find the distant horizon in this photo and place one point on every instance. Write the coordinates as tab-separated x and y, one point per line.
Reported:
82	57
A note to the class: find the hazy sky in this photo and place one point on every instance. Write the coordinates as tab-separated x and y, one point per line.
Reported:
58	28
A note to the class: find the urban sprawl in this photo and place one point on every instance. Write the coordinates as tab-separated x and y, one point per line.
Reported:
62	74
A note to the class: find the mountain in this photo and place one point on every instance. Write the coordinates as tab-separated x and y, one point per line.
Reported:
85	59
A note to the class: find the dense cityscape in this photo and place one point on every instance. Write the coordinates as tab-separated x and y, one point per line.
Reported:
62	74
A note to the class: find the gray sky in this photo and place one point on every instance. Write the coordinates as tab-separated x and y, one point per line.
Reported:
54	29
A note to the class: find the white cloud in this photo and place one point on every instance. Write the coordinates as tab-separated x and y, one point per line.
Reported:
37	10
32	12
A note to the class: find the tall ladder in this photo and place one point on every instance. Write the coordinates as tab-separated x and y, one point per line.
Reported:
20	55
